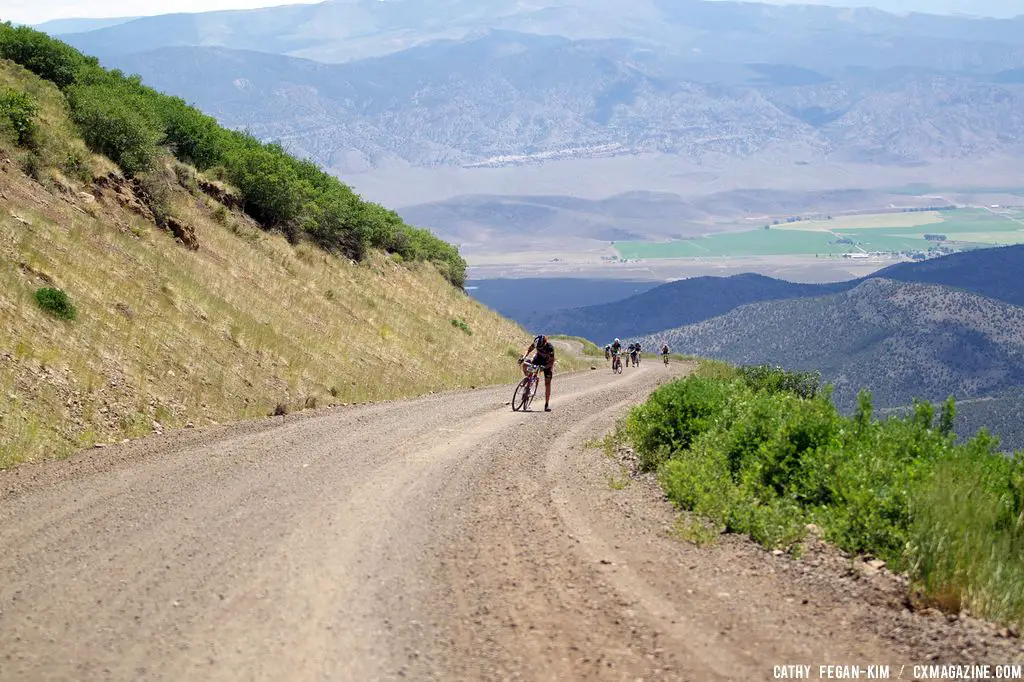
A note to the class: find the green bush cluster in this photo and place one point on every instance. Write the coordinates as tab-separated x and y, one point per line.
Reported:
57	303
776	379
461	324
130	123
18	110
760	453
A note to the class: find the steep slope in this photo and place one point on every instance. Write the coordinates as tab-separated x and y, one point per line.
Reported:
209	319
995	273
900	340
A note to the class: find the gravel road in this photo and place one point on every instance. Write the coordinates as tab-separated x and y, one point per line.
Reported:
439	538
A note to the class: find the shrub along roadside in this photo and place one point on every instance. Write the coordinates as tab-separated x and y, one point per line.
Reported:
764	452
130	123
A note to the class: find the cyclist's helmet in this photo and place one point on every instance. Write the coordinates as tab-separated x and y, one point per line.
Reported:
616	341
539	340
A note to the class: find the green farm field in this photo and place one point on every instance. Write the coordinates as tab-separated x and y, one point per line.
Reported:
965	228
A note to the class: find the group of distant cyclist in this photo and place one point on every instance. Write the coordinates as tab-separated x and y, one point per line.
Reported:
633	353
543	360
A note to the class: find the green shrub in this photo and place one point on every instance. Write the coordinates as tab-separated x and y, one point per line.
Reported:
56	302
764	455
19	110
778	380
117	124
155	191
44	56
966	540
674	416
459	324
220	214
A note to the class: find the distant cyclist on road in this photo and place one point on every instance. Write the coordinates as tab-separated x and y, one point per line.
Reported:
634	354
608	351
664	352
544	357
616	349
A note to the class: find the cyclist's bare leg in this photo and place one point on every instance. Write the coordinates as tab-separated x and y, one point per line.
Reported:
547	391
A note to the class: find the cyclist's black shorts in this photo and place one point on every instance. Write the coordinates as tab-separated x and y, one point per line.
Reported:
548	366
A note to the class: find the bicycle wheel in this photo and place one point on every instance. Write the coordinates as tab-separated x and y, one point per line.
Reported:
532	392
521	398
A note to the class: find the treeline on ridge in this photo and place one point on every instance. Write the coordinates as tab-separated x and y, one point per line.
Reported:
130	123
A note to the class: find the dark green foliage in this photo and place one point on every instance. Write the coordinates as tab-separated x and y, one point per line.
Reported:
674	416
20	110
120	117
460	324
118	123
57	303
42	55
764	458
778	380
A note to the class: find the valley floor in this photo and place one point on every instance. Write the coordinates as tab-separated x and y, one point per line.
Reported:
439	538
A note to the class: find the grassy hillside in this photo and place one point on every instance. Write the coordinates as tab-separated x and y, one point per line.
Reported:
135	126
205	318
995	273
901	341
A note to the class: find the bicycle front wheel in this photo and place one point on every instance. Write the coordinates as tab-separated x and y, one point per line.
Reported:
523	395
532	391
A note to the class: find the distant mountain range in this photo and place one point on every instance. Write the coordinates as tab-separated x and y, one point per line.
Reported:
948	326
506	98
345	30
1003	9
994	273
506	83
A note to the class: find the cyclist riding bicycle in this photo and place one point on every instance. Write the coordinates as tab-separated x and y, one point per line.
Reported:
616	351
664	352
608	351
544	357
634	350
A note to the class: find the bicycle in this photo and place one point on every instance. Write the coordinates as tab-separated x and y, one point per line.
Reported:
616	363
665	357
526	390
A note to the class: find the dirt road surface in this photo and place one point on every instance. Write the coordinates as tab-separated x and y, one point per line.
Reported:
439	538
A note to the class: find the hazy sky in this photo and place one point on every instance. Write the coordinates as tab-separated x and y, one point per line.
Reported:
36	11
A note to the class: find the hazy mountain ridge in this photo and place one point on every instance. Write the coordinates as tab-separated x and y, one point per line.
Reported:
507	99
993	273
353	29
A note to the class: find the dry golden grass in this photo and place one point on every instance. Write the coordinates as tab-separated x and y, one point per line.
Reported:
230	331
